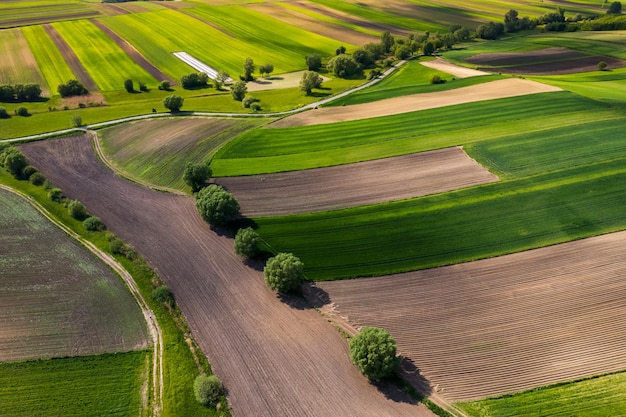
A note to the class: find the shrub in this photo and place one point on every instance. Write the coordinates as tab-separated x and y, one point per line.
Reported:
602	65
28	171
56	195
373	351
344	66
163	295
14	162
128	85
37	178
247	243
77	120
77	210
117	246
94	224
3	113
72	88
248	100
21	111
165	85
173	103
436	79
284	272
255	107
195	175
142	87
238	90
216	206
207	389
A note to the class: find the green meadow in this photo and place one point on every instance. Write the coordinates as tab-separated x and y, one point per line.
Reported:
51	63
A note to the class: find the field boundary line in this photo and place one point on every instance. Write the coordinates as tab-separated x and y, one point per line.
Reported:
151	321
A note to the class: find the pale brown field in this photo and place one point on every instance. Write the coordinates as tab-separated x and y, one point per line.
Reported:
18	64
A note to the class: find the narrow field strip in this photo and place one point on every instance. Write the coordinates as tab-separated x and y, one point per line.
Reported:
196	64
356	184
511	87
456	70
18	65
504	324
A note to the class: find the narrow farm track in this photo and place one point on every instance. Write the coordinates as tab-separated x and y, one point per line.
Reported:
504	324
72	60
276	357
154	329
357	184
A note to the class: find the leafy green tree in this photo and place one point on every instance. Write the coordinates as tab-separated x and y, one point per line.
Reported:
77	210
28	171
238	90
602	65
309	81
94	224
428	48
14	162
37	178
615	8
3	113
373	351
56	195
364	57
165	85
340	50
375	48
195	175
207	389
248	101
313	62
21	111
266	69
248	69
173	103
163	295
216	206
194	80
247	243
387	40
7	93
284	272
128	85
344	66
72	88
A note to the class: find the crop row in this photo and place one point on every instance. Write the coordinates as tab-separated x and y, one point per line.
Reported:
13	14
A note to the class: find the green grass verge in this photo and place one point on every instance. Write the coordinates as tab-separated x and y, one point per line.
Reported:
179	364
103	385
593	397
105	61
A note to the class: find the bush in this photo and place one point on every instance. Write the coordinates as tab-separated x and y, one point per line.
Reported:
94	224
216	206
117	246
173	103
77	210
313	62
128	85
28	171
72	88
37	178
56	195
195	175
14	162
247	243
165	85
344	66
373	351
163	295
284	272
255	107
207	388
143	87
3	113
238	90
602	65
436	79
21	111
77	120
194	80
248	100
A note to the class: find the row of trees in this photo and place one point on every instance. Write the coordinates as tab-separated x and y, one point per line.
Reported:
19	92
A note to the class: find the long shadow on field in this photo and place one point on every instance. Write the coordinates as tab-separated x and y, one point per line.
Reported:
410	373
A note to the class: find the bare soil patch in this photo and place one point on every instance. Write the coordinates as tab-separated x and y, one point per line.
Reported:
543	62
456	70
276	357
511	87
133	53
358	184
71	59
89	100
504	324
311	24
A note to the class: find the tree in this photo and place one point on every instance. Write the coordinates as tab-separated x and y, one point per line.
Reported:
21	111
165	85
238	90
615	8
72	88
94	224
602	65
266	69
248	69
344	66
428	48
128	85
387	40
207	389
216	206
173	103
340	50
195	175
221	78
313	62
309	81
3	113
373	351
77	120
247	243
284	272
14	162
77	210
364	57
162	294
37	178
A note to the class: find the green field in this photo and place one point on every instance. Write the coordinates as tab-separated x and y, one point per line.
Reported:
104	385
51	63
594	397
32	12
105	61
18	64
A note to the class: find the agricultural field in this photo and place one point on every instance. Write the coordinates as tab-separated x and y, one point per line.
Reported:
18	64
32	12
58	300
103	385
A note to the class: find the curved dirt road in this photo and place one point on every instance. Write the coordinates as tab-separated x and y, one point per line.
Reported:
276	358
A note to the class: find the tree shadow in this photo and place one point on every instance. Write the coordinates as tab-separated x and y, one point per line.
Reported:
393	391
410	373
319	94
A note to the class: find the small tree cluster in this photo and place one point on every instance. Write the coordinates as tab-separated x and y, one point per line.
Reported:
77	210
20	92
118	247
284	272
248	101
14	161
94	224
207	389
374	351
344	66
309	81
173	103
266	69
216	205
247	243
313	62
195	175
72	88
238	90
194	80
248	69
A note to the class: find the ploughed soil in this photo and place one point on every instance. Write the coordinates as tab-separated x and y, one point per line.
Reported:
456	70
357	184
71	59
276	357
543	62
133	53
504	324
510	87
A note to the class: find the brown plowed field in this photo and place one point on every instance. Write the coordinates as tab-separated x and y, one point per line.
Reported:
276	358
358	184
311	24
133	53
71	59
504	324
543	62
510	87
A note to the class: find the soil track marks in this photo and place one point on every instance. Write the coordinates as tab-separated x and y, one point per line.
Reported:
276	358
72	60
358	184
503	324
510	87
